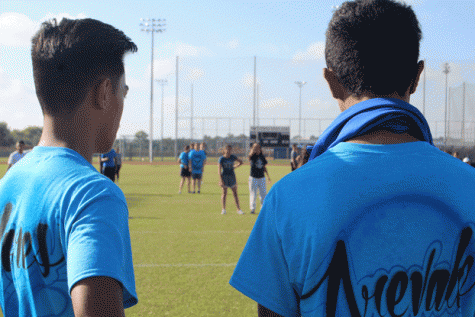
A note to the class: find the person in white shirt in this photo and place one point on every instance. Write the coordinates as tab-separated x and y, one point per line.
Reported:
17	155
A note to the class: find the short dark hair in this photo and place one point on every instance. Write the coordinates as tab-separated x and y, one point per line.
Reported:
21	142
71	57
373	46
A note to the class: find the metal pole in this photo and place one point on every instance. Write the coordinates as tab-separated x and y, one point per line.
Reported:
257	113
446	72
254	99
463	114
191	119
176	110
152	28
161	82
424	92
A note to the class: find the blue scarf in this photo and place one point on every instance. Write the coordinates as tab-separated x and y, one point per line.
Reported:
379	113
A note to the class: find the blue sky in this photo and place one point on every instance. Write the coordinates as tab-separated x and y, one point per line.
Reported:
217	42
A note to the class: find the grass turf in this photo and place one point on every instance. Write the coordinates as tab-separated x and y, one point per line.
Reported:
184	250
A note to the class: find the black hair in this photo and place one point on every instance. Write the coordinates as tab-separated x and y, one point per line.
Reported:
73	56
21	142
372	46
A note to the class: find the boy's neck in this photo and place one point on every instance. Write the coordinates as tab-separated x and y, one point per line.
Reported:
64	133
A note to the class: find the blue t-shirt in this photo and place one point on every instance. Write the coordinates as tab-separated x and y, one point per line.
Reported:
111	156
61	222
366	230
184	159
227	164
197	159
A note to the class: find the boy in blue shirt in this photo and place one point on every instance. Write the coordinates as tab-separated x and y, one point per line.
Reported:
184	171
196	163
379	222
64	226
108	164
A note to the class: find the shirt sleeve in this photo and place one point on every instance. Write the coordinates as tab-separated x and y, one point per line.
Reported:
10	159
262	273
97	240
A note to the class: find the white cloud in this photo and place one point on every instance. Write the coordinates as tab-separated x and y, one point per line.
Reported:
16	29
195	74
233	44
19	107
316	51
248	80
279	103
184	49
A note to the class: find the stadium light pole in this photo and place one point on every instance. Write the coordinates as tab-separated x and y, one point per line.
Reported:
152	26
161	82
300	84
446	72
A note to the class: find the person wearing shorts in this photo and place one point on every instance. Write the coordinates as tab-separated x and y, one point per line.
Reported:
257	179
108	164
184	169
226	166
196	163
118	163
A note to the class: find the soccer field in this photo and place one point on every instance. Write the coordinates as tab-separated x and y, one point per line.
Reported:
184	250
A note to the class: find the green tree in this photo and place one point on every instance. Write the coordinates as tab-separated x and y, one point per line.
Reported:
141	141
6	138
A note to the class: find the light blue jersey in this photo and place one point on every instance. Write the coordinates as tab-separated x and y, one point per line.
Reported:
366	230
197	159
183	159
111	155
61	222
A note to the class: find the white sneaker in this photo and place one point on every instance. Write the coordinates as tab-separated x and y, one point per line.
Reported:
223	212
240	212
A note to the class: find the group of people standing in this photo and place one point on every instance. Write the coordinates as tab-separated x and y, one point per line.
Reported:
110	164
192	164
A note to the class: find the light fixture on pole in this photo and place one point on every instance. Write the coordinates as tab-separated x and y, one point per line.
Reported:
161	82
446	72
152	26
300	84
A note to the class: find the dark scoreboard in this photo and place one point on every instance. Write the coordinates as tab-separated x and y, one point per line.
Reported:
270	136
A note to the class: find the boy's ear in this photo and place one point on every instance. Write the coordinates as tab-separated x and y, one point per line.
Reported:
337	90
102	94
420	69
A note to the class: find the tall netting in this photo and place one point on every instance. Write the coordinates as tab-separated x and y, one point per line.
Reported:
461	115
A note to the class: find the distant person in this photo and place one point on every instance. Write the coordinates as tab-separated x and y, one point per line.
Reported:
303	157
64	227
293	157
17	155
227	177
379	222
467	160
196	164
108	164
118	162
202	152
257	179
185	173
456	154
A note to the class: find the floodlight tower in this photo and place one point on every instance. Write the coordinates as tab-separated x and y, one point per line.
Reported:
161	82
152	26
446	72
300	84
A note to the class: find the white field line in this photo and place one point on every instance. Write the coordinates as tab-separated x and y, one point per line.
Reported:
190	232
186	265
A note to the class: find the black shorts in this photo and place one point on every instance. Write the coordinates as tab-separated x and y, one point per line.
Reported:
109	172
185	172
196	176
229	180
117	168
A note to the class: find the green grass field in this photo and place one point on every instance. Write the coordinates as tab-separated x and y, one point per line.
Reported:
184	250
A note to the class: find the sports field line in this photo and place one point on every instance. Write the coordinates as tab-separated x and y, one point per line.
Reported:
182	232
185	265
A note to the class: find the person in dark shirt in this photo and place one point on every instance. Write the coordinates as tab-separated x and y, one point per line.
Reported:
257	179
227	177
